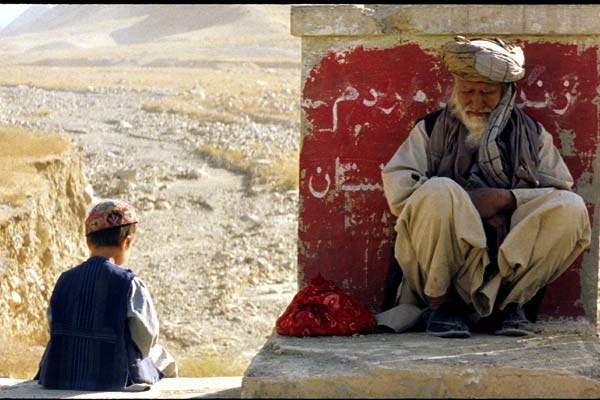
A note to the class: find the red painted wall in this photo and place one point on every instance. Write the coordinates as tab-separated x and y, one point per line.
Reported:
360	105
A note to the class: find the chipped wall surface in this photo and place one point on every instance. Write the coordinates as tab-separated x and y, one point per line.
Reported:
362	91
38	240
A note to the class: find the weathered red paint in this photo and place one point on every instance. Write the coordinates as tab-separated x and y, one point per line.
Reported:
360	105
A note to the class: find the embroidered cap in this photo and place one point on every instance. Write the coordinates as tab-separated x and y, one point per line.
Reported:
109	214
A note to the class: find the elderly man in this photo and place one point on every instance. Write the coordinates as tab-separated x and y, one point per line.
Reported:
486	215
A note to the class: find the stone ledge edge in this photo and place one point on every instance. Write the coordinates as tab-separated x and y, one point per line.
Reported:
441	19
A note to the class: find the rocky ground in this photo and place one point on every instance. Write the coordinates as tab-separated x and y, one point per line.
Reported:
219	261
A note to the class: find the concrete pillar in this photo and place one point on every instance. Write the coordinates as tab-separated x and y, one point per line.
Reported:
369	71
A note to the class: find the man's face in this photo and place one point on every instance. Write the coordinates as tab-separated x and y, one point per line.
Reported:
472	103
477	99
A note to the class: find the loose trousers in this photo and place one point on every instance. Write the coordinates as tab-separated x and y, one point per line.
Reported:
441	243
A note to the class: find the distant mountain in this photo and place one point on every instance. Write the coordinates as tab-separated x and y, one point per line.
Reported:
150	34
68	16
25	20
142	23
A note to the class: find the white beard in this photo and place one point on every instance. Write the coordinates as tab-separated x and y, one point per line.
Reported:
475	125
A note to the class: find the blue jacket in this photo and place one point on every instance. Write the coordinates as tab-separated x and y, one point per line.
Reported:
90	346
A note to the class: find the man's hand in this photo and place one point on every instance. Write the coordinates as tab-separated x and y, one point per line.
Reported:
490	201
501	224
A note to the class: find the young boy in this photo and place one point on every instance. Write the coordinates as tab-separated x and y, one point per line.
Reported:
103	325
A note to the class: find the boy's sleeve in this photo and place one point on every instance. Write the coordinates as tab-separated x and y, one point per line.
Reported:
141	317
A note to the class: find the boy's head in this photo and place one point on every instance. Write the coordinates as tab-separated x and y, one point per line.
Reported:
110	225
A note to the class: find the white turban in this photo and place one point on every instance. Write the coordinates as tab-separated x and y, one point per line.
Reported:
483	60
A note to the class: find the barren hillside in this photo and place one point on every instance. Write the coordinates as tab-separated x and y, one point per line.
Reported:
150	32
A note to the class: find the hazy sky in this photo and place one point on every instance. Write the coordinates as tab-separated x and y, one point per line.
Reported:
8	12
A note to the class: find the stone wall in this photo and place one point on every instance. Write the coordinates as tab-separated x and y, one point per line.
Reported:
39	239
369	71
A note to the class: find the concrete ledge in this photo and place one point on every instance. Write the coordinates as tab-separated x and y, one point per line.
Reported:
168	388
442	19
556	362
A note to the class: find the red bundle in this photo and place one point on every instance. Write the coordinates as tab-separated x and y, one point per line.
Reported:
322	309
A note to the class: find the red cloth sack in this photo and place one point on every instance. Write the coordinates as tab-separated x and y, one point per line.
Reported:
322	309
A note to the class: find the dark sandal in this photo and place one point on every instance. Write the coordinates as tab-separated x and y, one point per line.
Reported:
514	323
446	323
